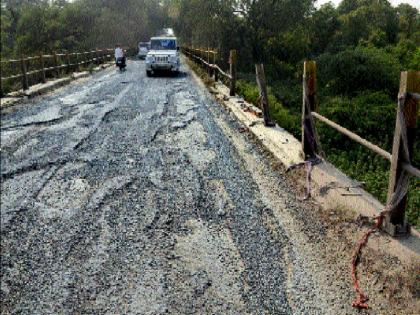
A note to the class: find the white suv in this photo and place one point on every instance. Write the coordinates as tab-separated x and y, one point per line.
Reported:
163	55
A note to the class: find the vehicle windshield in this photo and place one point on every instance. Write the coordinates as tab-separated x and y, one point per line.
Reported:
163	44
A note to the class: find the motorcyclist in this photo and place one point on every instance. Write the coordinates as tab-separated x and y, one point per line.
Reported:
119	53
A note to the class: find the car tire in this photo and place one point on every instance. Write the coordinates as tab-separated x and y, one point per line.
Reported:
148	73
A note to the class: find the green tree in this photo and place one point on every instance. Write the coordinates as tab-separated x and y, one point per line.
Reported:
324	25
359	69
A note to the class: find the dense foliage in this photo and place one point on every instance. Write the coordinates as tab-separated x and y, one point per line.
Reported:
360	47
33	26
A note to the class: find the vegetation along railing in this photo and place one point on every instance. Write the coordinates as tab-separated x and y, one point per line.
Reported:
394	221
27	71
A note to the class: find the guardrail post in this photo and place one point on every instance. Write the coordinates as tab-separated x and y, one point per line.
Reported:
77	62
395	222
1	84
216	71
68	63
43	74
25	83
196	54
57	70
98	56
232	61
208	62
262	85
309	139
201	56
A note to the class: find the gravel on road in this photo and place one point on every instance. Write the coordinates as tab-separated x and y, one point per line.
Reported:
123	194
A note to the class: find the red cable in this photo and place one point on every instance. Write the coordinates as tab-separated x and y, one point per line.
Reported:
360	301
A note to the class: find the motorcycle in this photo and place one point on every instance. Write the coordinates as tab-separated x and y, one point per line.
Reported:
121	63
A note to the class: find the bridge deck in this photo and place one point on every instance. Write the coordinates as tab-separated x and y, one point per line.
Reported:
124	194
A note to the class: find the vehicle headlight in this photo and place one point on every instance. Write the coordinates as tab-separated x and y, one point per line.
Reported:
150	58
173	59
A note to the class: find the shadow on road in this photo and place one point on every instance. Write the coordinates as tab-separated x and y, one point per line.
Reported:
161	74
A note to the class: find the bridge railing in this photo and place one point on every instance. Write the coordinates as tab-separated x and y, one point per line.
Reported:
208	59
27	71
402	151
394	221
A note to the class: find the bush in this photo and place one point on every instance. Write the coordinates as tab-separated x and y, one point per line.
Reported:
359	69
250	92
372	116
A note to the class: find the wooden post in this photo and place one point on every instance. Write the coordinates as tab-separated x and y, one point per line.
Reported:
25	83
43	75
97	56
202	56
77	62
262	85
68	63
309	141
395	222
232	61
57	70
1	83
196	55
208	62
216	72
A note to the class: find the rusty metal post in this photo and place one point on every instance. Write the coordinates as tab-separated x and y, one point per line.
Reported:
43	74
25	82
233	58
395	222
309	140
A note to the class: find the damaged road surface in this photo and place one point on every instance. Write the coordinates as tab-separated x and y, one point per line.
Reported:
124	194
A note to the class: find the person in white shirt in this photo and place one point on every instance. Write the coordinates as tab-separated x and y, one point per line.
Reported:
119	53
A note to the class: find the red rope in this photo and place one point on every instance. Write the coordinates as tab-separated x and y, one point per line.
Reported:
362	298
